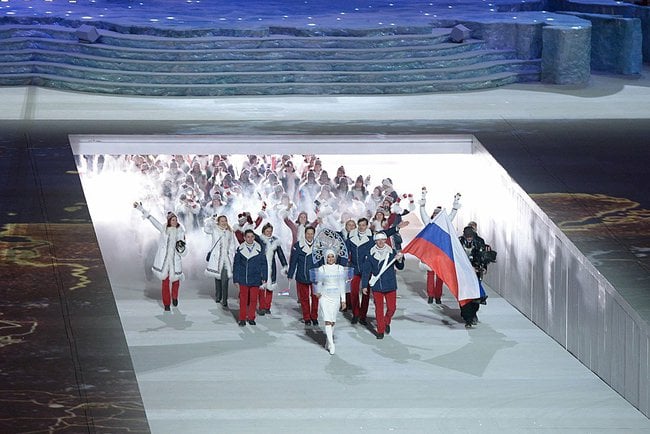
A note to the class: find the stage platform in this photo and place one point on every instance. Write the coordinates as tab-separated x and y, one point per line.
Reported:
69	360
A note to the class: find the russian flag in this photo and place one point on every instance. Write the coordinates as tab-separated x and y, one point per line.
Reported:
439	248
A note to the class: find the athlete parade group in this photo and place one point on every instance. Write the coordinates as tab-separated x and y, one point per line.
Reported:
298	205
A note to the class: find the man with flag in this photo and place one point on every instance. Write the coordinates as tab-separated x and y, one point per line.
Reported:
378	274
438	247
359	242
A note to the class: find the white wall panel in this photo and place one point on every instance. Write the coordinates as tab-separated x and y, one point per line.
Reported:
541	272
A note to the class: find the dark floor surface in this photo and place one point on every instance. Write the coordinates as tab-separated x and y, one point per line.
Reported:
66	366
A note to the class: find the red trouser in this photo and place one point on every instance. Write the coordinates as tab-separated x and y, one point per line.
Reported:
434	285
247	302
383	319
166	296
360	311
308	301
266	297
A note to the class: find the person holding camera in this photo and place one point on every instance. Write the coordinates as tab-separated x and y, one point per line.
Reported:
167	264
480	255
476	249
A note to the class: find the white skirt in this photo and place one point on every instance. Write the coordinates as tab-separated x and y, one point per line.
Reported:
328	308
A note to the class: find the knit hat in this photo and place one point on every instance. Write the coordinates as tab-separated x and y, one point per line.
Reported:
380	236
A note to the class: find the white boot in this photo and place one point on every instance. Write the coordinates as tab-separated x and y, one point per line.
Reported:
329	332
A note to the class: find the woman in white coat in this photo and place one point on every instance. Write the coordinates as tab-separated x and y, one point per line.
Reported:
167	264
331	283
220	256
272	248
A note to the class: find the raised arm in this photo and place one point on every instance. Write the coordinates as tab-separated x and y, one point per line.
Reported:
423	212
293	227
147	216
455	207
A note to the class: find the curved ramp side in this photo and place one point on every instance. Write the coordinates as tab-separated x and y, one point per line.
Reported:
543	274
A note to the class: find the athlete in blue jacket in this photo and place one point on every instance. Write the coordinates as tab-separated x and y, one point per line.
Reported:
249	273
378	274
300	262
359	243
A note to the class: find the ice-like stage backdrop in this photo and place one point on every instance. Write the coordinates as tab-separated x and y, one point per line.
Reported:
539	271
206	48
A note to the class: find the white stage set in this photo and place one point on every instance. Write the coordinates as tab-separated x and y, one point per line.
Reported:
199	372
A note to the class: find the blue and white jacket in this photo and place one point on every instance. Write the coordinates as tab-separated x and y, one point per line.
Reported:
250	266
372	266
359	245
301	261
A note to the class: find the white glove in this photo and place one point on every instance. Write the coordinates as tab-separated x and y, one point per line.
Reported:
456	204
138	206
411	205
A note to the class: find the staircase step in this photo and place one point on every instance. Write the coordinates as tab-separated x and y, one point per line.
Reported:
452	85
236	66
102	50
275	61
280	42
431	37
141	77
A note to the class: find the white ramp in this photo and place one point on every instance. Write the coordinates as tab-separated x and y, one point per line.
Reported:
199	372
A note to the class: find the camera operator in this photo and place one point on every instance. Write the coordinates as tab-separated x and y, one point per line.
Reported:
480	255
487	256
476	249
